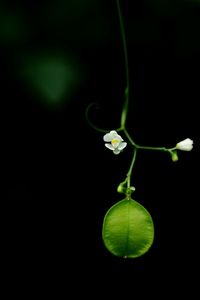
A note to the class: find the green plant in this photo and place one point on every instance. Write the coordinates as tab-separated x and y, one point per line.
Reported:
128	229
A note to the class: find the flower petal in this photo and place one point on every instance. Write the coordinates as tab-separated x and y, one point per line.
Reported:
108	137
109	146
185	145
122	146
113	132
116	151
118	137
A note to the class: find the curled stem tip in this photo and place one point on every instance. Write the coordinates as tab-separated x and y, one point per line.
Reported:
88	109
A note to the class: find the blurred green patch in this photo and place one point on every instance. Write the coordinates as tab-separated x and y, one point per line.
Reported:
12	26
53	78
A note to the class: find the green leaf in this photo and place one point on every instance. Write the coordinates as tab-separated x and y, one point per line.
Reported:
128	229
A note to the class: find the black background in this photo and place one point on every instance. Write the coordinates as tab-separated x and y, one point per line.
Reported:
59	180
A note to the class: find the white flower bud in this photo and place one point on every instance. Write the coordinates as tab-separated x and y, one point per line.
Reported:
185	145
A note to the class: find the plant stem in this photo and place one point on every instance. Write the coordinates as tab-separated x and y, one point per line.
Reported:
129	138
131	168
152	148
145	147
91	124
126	92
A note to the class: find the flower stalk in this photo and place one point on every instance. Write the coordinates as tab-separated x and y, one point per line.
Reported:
114	142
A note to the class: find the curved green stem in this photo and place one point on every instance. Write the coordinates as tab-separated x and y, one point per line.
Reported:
145	147
126	92
129	138
91	124
131	169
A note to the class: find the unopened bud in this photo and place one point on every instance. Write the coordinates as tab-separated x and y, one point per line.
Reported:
121	189
174	156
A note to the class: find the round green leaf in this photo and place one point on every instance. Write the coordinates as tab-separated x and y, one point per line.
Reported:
128	229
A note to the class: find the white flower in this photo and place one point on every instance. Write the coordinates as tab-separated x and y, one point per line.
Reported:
116	142
185	145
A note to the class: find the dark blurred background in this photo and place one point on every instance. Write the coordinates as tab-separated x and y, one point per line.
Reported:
58	179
